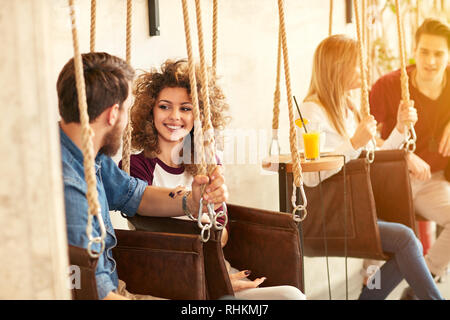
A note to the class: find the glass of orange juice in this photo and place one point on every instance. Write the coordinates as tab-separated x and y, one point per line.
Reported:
311	141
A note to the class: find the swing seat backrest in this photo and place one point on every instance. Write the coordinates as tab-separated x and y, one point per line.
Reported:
326	210
210	268
86	289
392	188
379	191
266	242
165	265
151	263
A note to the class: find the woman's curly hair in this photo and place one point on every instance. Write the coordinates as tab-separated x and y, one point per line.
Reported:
173	74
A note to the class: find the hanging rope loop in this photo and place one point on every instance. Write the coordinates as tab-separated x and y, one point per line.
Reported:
87	146
365	106
297	170
204	142
411	137
208	129
96	240
126	138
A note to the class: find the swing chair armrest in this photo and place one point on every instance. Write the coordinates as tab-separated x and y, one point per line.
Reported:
163	224
390	155
259	216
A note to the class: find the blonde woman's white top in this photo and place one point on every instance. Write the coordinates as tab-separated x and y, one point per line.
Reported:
335	142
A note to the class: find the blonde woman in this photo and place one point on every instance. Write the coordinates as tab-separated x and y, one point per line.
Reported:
335	74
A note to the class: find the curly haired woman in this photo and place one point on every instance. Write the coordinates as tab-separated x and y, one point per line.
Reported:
163	122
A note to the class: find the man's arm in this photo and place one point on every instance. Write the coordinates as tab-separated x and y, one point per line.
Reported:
157	202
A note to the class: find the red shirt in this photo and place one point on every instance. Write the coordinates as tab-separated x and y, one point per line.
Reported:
433	114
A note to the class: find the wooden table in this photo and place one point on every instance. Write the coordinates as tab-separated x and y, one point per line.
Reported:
283	165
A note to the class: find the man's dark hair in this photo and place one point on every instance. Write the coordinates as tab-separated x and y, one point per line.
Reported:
106	77
433	27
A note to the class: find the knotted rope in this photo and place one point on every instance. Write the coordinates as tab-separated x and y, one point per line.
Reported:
365	106
296	166
87	146
126	139
410	142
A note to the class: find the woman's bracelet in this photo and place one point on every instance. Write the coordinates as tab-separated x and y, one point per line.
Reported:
186	210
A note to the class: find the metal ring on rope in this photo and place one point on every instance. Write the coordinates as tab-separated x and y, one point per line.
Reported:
96	240
410	145
296	217
301	207
223	213
370	152
202	233
370	155
203	227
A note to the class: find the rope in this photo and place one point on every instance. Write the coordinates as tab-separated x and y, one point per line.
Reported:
126	139
208	130
86	131
93	24
206	142
198	134
401	44
363	23
298	178
214	32
369	4
129	25
276	95
365	107
410	141
330	19
418	14
87	146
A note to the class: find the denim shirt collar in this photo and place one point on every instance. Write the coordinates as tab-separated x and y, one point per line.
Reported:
75	151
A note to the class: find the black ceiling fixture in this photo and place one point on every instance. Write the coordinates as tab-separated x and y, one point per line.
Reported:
348	11
153	17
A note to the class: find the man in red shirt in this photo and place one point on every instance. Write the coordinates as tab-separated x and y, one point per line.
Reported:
429	83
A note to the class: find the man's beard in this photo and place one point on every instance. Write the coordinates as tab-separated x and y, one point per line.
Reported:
112	142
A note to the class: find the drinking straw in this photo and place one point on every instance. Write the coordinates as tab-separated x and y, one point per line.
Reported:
301	118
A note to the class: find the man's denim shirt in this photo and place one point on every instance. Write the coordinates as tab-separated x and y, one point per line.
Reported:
116	191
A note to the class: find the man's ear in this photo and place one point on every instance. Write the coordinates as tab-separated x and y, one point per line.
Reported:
112	114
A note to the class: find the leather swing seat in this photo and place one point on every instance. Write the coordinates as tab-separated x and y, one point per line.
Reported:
165	257
380	190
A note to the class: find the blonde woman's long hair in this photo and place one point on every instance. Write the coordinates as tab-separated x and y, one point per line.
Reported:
334	63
